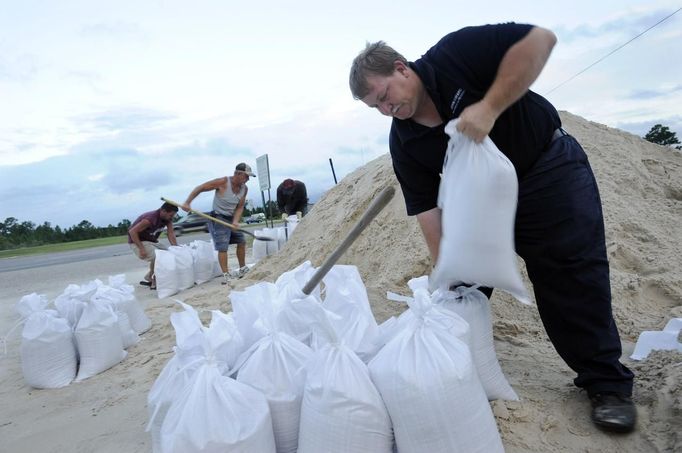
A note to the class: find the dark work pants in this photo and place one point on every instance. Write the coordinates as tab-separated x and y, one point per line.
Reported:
560	235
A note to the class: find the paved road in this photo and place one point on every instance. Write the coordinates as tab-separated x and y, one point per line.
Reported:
105	251
74	256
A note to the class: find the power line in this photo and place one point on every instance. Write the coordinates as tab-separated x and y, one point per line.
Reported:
614	51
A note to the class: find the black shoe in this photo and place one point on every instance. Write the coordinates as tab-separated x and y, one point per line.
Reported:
613	412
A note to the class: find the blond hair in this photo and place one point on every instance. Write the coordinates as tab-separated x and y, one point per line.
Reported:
376	59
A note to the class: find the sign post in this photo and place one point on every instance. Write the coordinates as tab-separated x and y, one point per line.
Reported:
263	171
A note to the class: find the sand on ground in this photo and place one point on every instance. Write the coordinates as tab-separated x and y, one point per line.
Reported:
641	190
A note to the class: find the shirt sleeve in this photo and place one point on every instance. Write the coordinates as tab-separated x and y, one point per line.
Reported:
478	50
419	184
280	198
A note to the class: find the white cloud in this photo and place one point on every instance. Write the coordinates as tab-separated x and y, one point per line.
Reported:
114	105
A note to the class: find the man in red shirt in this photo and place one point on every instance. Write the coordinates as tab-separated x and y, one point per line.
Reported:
143	237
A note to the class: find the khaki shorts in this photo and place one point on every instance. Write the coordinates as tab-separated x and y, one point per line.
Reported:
150	248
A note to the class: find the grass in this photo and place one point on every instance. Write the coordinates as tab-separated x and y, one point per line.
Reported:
89	243
63	246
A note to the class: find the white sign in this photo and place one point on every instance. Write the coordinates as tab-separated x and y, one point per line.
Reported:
263	172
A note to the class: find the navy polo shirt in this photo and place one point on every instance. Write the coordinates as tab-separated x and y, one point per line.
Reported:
456	73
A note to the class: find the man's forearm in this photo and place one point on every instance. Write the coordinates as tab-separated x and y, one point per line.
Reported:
430	223
237	214
136	240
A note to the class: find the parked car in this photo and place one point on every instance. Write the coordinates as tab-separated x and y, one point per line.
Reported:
256	218
191	222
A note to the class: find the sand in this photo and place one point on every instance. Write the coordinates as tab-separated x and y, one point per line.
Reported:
641	189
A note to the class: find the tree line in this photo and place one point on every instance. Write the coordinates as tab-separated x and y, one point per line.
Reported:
15	234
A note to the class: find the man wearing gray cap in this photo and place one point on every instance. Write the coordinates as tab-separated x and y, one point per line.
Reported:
228	204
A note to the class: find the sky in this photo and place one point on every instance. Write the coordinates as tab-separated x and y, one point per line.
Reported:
107	106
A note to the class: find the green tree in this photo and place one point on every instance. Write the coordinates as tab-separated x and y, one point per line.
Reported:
7	225
272	210
84	230
662	135
44	234
123	225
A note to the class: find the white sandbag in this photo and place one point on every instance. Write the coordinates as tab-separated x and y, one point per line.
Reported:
184	266
227	342
274	367
220	341
298	320
118	299
281	237
177	371
172	379
291	224
247	306
342	411
259	248
272	246
346	296
246	310
665	340
81	292
216	414
70	309
139	321
71	303
217	270
98	339
30	304
292	282
211	413
166	272
473	306
48	352
430	387
478	196
204	261
128	335
673	325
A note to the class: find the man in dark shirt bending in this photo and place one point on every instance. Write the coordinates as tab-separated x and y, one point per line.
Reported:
292	197
482	76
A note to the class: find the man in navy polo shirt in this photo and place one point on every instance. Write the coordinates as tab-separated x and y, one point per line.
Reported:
481	75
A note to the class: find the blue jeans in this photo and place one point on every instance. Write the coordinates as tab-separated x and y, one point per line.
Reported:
222	235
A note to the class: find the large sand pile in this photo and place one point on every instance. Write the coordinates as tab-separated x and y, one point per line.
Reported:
641	188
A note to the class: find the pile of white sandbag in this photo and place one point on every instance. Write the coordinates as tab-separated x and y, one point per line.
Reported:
86	333
180	267
286	372
280	236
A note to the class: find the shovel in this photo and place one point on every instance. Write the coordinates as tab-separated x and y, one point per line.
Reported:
230	226
374	208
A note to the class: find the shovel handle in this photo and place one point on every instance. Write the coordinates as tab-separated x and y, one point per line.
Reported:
206	216
374	208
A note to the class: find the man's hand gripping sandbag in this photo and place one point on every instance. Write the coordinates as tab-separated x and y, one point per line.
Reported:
478	196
